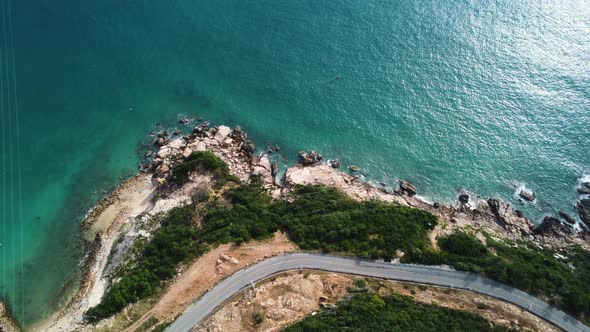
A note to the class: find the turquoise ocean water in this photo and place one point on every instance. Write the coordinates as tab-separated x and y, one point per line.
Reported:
477	95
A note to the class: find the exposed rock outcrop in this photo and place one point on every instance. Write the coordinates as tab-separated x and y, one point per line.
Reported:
310	158
323	174
464	198
408	188
7	324
553	227
527	195
335	163
584	211
569	219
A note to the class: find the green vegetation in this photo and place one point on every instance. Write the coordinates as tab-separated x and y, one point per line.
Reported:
172	243
530	269
318	218
202	162
324	218
371	312
258	317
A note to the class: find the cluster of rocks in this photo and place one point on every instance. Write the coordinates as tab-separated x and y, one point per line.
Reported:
231	145
234	147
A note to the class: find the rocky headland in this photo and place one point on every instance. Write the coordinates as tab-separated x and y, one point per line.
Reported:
117	220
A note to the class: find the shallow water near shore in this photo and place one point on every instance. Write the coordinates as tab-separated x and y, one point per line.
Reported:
486	97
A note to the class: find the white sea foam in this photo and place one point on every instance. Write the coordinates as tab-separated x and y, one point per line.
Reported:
582	179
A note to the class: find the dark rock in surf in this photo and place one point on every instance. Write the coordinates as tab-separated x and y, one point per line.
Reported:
335	163
464	198
249	148
527	195
408	188
553	227
569	219
310	158
494	205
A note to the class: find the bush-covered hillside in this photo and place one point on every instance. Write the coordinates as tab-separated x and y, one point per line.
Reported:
533	270
371	312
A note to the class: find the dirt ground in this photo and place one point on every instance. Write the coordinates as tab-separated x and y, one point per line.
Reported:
208	270
289	297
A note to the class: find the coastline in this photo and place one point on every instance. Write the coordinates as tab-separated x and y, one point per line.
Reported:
126	201
7	324
104	224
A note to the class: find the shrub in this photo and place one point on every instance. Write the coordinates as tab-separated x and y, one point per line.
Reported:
203	162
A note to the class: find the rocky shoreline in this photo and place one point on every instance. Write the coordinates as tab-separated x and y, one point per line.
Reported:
7	324
492	216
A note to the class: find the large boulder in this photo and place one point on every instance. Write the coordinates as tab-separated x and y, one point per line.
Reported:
527	195
408	188
464	198
177	144
583	190
222	133
310	158
249	148
494	205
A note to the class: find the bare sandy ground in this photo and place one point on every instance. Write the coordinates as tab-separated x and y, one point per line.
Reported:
208	270
287	298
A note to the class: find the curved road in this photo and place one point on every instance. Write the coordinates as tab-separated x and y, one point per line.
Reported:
207	304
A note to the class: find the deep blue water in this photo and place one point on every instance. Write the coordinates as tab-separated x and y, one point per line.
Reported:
474	95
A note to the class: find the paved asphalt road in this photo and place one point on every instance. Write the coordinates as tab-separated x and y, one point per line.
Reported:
206	305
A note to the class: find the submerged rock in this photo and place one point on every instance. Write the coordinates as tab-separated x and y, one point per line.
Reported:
408	188
354	168
527	195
